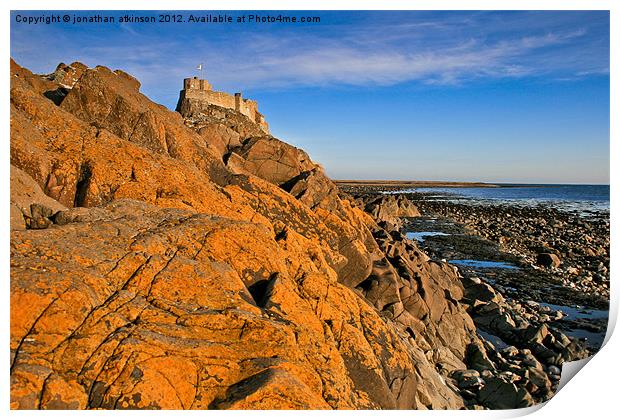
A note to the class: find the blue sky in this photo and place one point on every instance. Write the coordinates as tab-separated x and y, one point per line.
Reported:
464	96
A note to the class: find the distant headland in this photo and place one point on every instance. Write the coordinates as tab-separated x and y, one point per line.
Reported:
413	184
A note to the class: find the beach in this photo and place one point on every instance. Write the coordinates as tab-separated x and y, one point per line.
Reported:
548	256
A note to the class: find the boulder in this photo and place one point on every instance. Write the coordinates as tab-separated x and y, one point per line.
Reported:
548	260
500	394
476	358
481	292
468	378
536	334
30	207
270	159
390	208
220	137
67	75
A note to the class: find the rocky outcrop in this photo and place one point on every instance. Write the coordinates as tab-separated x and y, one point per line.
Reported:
30	207
147	307
67	75
112	101
390	208
529	366
161	275
40	85
270	159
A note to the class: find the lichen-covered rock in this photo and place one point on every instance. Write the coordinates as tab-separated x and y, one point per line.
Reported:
41	85
222	138
29	205
165	279
270	159
112	101
166	308
67	75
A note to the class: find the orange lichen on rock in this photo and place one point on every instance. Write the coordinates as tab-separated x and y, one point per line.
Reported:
166	275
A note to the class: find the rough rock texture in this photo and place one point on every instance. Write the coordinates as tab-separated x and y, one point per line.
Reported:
67	75
147	307
29	205
269	159
112	101
390	208
166	277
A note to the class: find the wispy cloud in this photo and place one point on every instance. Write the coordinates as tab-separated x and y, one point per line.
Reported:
446	49
308	62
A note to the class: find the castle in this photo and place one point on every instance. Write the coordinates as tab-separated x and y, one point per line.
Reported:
201	90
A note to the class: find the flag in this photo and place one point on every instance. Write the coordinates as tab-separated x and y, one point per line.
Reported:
200	66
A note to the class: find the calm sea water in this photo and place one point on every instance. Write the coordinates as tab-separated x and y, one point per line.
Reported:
581	198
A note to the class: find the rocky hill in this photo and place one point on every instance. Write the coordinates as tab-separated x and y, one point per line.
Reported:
185	260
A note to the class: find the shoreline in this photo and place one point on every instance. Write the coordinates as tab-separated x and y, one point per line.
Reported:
551	266
392	184
395	185
528	322
589	206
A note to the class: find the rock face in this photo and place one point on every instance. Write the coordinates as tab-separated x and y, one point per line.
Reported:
174	314
30	207
269	159
190	261
390	208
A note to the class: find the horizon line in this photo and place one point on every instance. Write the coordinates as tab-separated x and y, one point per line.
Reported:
485	183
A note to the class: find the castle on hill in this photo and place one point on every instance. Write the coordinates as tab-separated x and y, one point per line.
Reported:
201	90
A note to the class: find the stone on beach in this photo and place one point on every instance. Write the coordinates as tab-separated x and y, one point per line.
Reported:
548	260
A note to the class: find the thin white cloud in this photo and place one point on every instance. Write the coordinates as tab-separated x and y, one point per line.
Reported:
325	62
444	50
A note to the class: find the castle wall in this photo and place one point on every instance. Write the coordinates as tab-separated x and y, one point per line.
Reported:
216	98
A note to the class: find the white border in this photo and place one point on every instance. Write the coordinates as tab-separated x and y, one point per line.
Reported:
592	394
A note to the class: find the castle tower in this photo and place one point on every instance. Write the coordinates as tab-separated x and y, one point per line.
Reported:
194	83
238	99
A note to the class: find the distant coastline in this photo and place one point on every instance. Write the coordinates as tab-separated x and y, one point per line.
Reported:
393	184
416	184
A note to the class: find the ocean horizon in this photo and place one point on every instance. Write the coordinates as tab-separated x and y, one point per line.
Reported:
568	197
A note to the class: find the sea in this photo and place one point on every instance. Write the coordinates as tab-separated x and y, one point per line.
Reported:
583	199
